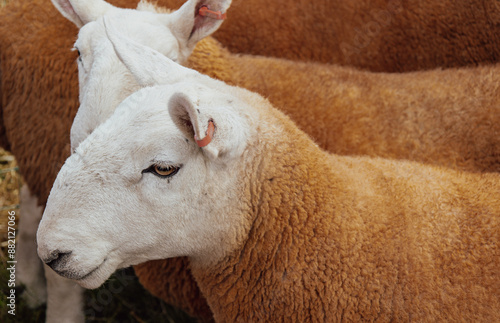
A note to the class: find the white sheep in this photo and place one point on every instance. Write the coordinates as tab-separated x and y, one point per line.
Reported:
275	228
172	34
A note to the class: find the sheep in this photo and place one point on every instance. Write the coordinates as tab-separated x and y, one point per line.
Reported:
381	36
423	116
34	61
293	234
429	151
142	52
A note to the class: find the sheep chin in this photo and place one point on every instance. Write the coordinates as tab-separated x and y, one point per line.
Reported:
98	276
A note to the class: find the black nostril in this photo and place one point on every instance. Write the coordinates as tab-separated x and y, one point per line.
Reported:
53	255
57	258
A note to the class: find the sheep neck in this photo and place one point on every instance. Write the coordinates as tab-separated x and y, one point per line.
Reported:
291	225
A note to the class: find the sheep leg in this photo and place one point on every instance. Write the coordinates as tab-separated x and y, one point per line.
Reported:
65	299
29	271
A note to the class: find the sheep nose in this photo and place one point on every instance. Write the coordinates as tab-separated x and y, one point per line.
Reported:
57	259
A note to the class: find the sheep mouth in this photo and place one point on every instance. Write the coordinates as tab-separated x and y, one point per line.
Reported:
90	273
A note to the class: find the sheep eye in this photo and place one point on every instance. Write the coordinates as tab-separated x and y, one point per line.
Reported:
79	55
78	51
162	171
165	171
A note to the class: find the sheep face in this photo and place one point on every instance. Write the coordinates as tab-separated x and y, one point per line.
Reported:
141	188
104	82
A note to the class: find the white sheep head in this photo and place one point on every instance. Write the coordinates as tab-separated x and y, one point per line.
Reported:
140	187
104	81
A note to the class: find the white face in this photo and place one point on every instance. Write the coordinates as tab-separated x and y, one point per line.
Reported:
110	206
104	81
139	188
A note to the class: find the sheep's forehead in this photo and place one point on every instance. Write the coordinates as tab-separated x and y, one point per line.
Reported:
149	29
141	124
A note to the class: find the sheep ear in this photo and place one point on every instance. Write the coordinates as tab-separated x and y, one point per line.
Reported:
81	12
215	128
148	66
197	19
187	116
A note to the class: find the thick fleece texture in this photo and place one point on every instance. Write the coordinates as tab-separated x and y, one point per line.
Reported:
441	117
39	93
381	35
354	239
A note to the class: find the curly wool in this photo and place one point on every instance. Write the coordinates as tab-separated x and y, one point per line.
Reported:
336	238
423	116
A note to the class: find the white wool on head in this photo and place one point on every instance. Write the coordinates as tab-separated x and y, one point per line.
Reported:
112	175
104	82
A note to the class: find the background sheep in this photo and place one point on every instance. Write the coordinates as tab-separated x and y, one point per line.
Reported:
293	234
48	50
383	35
34	59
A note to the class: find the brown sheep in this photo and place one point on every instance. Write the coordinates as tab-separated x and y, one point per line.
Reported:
382	35
293	235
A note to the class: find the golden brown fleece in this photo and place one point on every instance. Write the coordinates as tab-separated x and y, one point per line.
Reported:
442	117
38	70
380	35
333	238
39	98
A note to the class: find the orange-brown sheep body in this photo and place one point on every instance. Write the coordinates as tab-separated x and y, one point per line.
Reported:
334	238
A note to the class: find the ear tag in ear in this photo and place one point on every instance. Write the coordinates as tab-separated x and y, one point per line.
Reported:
208	137
217	15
